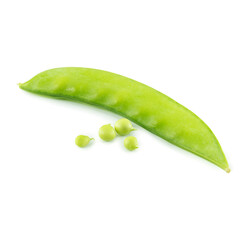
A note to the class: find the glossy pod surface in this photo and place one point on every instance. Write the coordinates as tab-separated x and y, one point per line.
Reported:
141	104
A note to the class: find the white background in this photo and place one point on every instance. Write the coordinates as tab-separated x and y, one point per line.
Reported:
51	189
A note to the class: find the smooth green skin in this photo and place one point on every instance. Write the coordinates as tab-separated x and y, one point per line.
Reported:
130	143
82	140
123	127
141	104
107	133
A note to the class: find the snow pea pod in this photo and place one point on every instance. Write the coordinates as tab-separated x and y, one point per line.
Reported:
140	103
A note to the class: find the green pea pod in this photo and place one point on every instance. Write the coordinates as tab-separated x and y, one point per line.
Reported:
141	104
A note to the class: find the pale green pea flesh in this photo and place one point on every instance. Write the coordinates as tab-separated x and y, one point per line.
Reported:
82	140
107	133
123	127
130	143
141	104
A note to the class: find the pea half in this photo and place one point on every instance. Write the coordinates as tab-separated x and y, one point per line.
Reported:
107	133
123	127
82	140
130	143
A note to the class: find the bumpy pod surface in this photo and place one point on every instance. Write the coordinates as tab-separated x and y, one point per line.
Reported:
141	104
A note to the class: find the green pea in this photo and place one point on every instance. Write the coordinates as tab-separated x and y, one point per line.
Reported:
140	103
107	133
123	127
82	140
130	143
